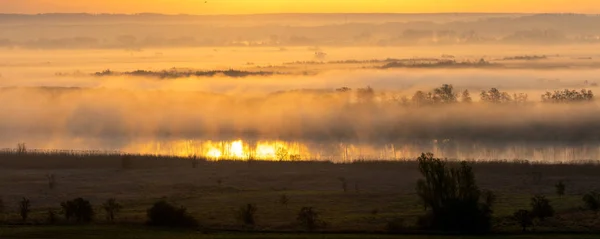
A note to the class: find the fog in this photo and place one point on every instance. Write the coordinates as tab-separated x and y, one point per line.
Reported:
61	96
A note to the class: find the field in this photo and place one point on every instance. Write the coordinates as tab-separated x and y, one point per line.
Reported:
94	232
376	192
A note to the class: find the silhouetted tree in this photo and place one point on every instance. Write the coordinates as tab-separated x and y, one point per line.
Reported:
452	197
541	208
444	94
309	218
24	208
51	217
568	96
247	214
524	218
111	207
80	209
163	214
560	188
421	98
592	201
495	96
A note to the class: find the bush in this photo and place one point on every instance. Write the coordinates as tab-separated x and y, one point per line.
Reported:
541	208
247	215
524	218
163	214
452	197
78	208
592	201
560	188
309	219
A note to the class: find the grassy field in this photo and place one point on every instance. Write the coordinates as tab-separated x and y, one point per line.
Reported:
97	232
377	192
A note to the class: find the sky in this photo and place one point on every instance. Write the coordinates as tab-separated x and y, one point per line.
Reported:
297	6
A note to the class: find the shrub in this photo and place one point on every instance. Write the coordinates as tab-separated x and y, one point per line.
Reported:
309	218
560	188
541	208
524	218
78	208
452	197
24	208
111	207
247	214
592	201
163	214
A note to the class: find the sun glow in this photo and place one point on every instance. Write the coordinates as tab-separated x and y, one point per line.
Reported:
226	150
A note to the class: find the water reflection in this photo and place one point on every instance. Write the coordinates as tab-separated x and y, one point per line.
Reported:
355	151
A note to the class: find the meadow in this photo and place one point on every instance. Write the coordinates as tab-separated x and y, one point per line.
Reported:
360	197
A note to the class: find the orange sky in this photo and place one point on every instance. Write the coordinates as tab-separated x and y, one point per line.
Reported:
279	6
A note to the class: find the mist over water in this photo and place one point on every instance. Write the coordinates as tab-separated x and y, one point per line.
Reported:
50	97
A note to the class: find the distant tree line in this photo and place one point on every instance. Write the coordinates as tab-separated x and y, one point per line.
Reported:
446	95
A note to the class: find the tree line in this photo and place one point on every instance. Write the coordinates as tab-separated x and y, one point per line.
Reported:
447	94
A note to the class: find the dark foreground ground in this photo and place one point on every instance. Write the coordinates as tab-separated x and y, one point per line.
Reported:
376	193
100	232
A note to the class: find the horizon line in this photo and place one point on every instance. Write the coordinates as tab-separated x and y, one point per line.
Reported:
301	13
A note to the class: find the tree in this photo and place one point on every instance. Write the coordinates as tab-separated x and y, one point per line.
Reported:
560	188
51	217
452	197
247	214
466	97
523	217
592	201
365	95
541	208
444	94
568	96
111	207
421	98
495	96
163	214
79	208
24	208
308	218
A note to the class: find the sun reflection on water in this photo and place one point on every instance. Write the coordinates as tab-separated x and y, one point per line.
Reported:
235	150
